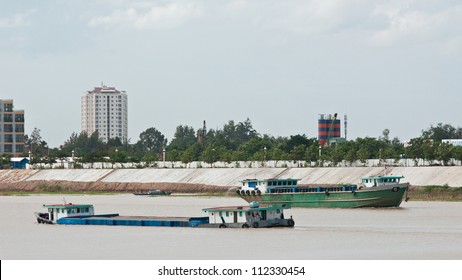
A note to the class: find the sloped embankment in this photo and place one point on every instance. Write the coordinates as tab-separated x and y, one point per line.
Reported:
208	180
71	186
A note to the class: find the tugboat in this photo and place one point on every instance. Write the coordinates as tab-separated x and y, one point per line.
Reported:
248	216
379	191
64	210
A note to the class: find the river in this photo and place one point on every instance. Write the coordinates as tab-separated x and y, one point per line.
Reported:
415	231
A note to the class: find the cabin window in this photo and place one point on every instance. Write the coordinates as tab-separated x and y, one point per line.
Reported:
280	183
220	213
240	214
227	214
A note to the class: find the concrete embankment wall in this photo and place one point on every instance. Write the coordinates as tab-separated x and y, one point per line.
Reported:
229	177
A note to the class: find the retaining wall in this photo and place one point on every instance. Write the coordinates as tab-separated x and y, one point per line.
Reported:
417	176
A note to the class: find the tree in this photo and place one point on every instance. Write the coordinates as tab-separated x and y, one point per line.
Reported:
414	150
385	136
152	140
36	145
363	155
440	131
298	152
184	137
443	153
192	153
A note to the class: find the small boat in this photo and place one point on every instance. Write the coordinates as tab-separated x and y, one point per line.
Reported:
248	216
153	193
378	191
65	210
220	217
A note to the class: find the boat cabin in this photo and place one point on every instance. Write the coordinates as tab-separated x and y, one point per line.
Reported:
378	181
66	210
254	186
244	216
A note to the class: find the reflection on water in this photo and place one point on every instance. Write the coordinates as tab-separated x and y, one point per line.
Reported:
417	230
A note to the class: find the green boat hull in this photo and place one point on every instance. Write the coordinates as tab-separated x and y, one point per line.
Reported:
389	196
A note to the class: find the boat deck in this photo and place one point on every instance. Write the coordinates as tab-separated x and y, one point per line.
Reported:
115	220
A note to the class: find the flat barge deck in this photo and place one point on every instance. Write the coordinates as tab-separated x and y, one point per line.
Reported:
152	221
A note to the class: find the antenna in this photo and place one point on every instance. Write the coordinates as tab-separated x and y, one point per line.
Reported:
345	124
204	130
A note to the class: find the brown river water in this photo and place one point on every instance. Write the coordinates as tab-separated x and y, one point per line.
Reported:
415	231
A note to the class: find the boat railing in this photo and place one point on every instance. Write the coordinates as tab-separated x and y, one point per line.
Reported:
313	189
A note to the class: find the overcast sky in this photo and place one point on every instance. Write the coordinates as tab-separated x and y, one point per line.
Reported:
386	64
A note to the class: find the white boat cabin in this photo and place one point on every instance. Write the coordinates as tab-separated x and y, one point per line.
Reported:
58	211
244	214
254	186
378	181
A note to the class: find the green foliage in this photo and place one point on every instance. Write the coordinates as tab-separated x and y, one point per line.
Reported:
241	142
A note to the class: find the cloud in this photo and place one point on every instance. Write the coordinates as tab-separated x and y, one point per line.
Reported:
144	16
303	16
17	20
407	24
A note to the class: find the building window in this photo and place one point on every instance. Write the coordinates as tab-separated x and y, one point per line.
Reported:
8	118
19	128
19	148
19	138
8	128
8	138
8	148
19	118
8	107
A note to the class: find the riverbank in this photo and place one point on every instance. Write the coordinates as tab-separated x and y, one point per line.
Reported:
415	193
221	181
435	193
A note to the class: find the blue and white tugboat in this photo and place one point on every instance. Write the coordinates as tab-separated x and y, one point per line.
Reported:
55	212
253	216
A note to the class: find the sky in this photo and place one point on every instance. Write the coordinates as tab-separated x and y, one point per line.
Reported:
385	64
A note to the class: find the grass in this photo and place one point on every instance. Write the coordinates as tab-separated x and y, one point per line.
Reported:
436	193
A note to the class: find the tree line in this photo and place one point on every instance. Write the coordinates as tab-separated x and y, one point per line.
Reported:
241	142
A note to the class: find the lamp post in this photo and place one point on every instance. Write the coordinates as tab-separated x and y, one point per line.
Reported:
264	155
163	156
320	154
73	160
213	156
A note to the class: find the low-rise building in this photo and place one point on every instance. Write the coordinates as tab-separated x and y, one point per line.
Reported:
11	129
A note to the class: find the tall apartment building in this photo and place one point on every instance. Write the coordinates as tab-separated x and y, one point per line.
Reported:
104	109
11	129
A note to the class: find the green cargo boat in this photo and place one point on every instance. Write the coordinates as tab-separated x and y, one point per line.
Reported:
379	191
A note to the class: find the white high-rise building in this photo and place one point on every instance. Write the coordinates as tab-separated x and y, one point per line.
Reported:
104	109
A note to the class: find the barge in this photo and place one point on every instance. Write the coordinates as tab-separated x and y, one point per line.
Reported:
252	216
378	191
